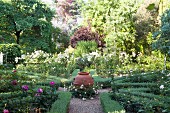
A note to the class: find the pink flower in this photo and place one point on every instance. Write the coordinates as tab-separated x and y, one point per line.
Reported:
52	83
6	111
40	90
14	71
25	87
14	82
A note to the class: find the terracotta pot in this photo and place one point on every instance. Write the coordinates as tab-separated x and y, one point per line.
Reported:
83	78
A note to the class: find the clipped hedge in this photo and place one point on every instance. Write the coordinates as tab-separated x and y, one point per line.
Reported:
105	82
129	84
62	103
11	50
110	106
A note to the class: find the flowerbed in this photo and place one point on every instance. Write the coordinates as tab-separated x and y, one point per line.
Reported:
21	93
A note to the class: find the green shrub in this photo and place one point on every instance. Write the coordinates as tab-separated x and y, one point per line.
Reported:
84	47
143	92
110	106
62	103
142	89
11	50
103	82
142	104
86	34
129	84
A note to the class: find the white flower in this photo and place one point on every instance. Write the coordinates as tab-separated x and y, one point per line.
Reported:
94	54
91	98
84	99
16	59
133	54
60	56
89	58
81	87
161	87
23	56
65	89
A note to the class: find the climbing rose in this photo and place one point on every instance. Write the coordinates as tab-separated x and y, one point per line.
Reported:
6	111
40	90
25	87
52	83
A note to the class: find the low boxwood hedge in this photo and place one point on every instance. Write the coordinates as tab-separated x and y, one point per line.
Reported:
62	103
110	106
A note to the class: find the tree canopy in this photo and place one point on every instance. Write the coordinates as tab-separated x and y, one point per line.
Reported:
163	35
114	19
26	22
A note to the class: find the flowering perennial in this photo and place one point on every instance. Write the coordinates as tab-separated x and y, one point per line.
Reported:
25	87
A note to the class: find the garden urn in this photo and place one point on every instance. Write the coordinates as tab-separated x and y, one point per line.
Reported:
83	78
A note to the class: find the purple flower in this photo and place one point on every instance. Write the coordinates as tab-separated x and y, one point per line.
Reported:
14	82
25	87
6	111
52	83
40	90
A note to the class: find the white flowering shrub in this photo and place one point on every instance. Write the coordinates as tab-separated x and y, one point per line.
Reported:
37	56
104	64
83	92
61	64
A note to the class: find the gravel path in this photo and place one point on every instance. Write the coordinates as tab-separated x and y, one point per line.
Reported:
88	106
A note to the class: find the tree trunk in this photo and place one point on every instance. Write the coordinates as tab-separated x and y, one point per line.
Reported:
18	36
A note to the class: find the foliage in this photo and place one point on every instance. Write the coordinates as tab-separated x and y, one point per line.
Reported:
67	15
102	82
86	34
162	36
60	64
114	19
104	64
38	56
20	93
146	22
10	51
28	22
83	92
85	47
61	38
143	92
62	103
152	62
110	105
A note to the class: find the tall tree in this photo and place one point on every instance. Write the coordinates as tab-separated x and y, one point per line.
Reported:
28	21
67	15
114	18
162	36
